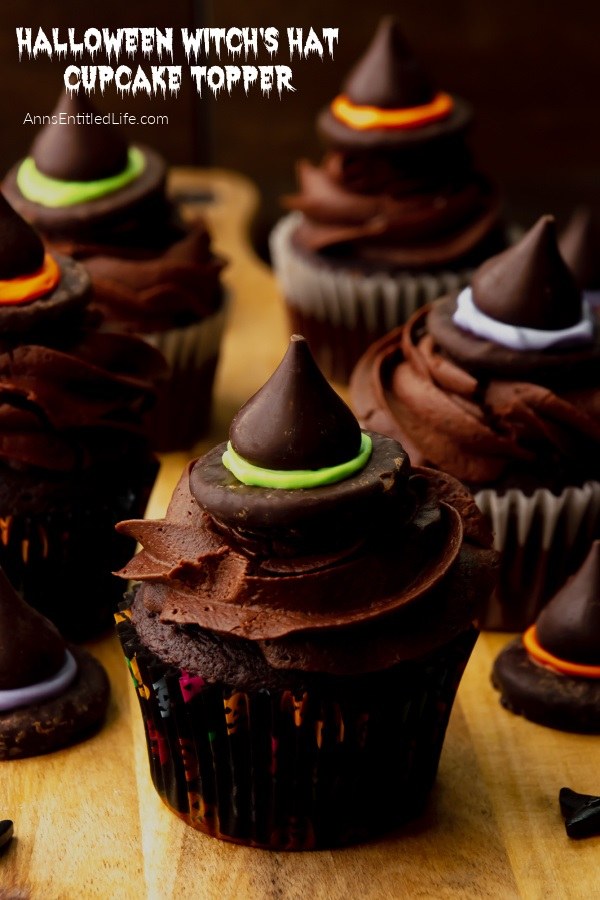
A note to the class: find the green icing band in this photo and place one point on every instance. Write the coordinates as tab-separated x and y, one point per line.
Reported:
54	193
294	479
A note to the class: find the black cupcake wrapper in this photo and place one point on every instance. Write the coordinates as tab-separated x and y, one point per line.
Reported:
306	767
62	561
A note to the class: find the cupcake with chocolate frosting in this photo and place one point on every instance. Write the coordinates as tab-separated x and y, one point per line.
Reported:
103	202
500	386
74	456
394	216
551	674
301	621
579	244
51	694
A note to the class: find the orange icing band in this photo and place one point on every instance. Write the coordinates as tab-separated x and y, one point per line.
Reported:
579	670
29	287
363	118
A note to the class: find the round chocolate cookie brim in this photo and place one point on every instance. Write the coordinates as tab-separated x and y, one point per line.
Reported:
544	696
43	727
338	134
338	505
569	365
103	210
71	293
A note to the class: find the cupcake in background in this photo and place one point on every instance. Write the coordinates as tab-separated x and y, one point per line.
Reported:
579	244
394	216
551	674
74	456
50	694
301	623
499	385
96	198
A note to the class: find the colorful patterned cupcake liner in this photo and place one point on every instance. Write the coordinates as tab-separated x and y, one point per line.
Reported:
328	761
543	539
341	311
62	561
182	413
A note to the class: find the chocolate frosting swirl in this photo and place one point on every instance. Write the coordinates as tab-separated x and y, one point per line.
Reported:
154	290
302	610
31	649
21	249
71	152
296	420
569	626
69	399
529	284
489	416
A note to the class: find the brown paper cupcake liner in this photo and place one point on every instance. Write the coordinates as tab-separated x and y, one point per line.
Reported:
340	310
325	762
542	538
182	413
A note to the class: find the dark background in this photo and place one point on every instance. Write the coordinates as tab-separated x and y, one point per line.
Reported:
531	69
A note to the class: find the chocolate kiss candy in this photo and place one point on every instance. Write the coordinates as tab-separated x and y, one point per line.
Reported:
388	75
529	285
81	152
296	420
580	247
581	813
21	250
31	649
569	625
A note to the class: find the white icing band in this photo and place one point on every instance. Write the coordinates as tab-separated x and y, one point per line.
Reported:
43	690
469	318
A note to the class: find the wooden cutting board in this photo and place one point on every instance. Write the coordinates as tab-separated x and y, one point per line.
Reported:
88	822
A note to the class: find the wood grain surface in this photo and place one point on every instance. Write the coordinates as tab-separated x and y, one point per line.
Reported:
88	823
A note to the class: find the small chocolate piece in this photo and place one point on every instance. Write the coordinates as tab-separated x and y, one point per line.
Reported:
296	420
388	75
78	152
31	649
529	285
21	250
580	248
569	626
581	813
6	833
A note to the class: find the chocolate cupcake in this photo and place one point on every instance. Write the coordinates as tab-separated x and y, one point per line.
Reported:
395	215
50	694
500	386
552	674
74	457
103	202
301	623
579	245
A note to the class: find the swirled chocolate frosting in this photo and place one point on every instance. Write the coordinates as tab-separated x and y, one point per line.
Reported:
354	576
31	649
484	412
396	197
569	626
